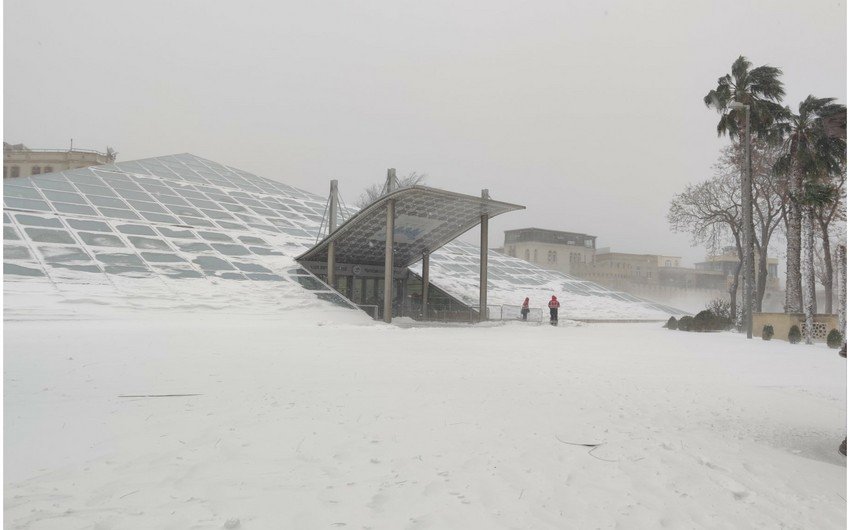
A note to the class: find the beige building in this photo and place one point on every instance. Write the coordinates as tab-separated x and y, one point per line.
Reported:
21	161
727	262
551	249
622	270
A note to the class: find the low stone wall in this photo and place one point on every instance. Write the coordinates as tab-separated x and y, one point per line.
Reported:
782	323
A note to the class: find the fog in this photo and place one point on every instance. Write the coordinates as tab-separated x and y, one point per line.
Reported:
588	113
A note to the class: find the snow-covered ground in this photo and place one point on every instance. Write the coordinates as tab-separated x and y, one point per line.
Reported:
306	415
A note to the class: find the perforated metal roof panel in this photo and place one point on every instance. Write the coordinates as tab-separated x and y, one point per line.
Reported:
425	220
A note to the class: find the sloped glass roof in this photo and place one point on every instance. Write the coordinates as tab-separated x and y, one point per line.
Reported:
183	217
425	219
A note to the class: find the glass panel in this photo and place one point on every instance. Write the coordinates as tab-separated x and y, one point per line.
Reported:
100	240
147	206
135	195
162	258
263	251
18	270
118	214
231	226
308	282
50	184
160	218
94	226
194	221
215	236
109	202
216	214
264	277
201	203
172	200
74	208
23	193
211	263
26	204
64	255
149	243
125	260
193	248
136	230
231	250
16	252
44	235
96	190
10	234
251	267
32	220
62	196
184	210
252	240
179	234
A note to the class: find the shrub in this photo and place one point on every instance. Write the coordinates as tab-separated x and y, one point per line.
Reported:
707	320
685	323
671	323
721	308
794	335
834	339
767	332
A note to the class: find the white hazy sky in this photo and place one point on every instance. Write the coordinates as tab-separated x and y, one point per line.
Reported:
588	113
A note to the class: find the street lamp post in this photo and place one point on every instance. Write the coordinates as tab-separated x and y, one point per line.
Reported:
747	222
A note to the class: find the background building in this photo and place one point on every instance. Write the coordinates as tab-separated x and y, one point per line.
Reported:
727	262
551	249
21	161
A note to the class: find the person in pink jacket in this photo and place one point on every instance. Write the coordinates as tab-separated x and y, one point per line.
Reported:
554	304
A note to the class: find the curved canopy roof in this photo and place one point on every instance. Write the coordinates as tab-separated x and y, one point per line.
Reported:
425	220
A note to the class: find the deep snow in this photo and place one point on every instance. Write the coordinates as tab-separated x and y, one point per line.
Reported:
311	416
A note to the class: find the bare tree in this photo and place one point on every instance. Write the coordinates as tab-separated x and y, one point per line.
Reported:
711	212
373	192
770	199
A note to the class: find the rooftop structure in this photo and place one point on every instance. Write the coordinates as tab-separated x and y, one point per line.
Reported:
151	227
21	161
551	249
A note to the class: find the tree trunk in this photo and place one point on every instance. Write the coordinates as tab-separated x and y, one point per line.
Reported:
808	274
841	258
761	286
793	279
827	265
733	295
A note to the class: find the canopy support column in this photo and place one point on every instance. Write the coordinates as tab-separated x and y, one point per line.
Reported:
331	228
388	263
426	282
482	282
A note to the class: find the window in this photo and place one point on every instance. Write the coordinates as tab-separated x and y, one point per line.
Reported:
5	172
552	257
535	255
48	169
36	170
16	172
527	255
668	263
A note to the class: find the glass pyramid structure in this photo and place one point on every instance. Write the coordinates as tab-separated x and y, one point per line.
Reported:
175	218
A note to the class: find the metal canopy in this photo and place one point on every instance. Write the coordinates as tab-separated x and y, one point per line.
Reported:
425	220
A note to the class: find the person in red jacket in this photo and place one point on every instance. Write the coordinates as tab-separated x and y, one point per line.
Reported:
525	310
554	304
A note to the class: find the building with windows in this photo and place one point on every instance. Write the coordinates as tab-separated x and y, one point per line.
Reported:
726	263
21	161
551	249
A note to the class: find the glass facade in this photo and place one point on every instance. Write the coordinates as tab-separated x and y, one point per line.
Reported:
183	217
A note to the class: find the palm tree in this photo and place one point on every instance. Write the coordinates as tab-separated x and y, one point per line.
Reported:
812	153
761	90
